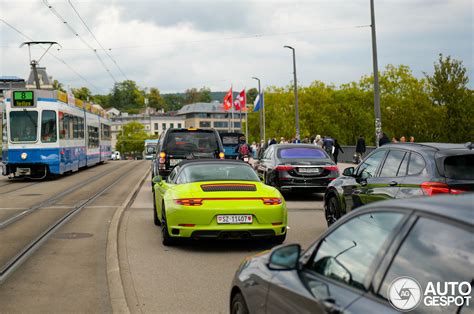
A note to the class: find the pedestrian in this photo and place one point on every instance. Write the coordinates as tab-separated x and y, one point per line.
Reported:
272	141
305	140
261	150
243	149
318	141
296	140
282	140
360	148
384	140
337	149
403	139
412	139
394	140
328	145
254	150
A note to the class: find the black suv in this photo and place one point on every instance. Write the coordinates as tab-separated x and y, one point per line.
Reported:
401	171
176	145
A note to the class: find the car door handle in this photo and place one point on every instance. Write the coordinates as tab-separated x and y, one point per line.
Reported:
330	306
393	183
363	183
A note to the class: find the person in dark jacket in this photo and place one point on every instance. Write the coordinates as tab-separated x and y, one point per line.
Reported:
360	148
384	140
337	149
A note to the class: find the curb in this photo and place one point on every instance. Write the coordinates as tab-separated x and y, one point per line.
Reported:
114	279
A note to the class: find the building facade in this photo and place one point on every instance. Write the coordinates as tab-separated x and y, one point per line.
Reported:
211	115
153	124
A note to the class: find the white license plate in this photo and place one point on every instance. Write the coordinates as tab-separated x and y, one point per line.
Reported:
174	162
234	219
308	170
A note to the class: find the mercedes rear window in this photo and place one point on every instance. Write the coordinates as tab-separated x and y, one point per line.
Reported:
301	152
459	167
193	141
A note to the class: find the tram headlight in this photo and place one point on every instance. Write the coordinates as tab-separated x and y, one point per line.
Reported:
23	156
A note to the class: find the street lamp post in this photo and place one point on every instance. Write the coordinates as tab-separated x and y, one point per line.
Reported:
295	83
262	136
378	118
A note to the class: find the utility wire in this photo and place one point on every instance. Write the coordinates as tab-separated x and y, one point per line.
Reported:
45	2
50	53
236	37
97	41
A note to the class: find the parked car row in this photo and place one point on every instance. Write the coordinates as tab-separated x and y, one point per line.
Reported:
352	266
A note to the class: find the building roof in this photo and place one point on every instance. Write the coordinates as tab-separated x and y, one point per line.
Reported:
202	107
10	78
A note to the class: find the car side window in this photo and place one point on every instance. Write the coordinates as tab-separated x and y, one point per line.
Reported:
434	251
416	165
268	153
347	253
402	171
368	168
173	174
392	163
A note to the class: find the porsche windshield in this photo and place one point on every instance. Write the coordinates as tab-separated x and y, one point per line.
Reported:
217	172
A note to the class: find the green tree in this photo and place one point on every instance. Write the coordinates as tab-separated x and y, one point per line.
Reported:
131	141
448	89
103	100
173	101
58	86
126	96
82	93
251	95
205	94
155	100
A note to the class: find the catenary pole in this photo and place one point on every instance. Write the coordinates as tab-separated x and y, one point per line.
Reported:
378	118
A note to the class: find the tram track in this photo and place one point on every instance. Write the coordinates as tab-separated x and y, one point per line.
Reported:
17	189
10	220
11	261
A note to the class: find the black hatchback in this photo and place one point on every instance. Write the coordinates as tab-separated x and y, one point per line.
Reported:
176	145
296	166
401	171
361	264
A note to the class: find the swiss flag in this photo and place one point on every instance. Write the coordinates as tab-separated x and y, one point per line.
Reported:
237	104
242	98
228	100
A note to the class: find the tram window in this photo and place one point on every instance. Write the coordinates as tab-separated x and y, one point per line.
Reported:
48	126
71	127
23	126
92	137
61	125
105	132
81	128
76	127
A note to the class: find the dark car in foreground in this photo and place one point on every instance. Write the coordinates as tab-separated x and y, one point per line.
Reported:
352	266
401	171
290	167
176	145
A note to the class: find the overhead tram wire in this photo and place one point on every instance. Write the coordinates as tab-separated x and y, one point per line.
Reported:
97	41
51	54
50	7
253	36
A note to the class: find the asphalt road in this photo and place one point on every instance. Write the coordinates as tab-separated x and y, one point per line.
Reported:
68	273
195	277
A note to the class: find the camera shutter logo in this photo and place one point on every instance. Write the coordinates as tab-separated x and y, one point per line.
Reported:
404	293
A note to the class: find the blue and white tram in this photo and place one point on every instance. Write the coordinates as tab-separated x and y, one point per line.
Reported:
48	133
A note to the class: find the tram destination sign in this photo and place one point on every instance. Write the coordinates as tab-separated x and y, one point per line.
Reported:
24	98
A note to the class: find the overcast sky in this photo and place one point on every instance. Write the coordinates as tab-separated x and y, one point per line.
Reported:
175	45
